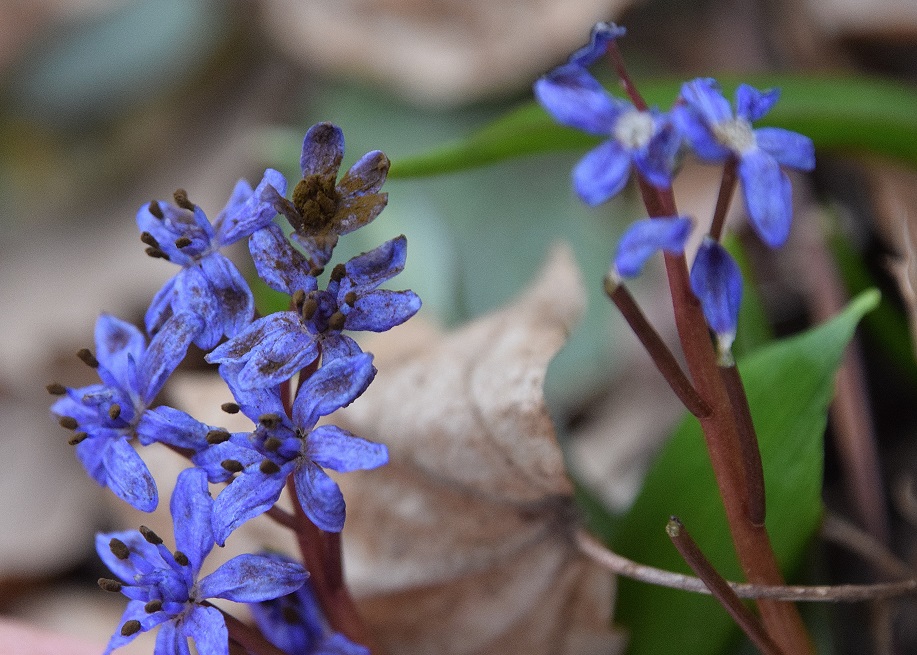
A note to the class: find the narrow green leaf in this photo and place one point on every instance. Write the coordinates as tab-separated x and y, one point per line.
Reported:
789	384
839	113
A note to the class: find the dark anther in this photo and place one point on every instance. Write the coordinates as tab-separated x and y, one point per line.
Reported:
56	389
315	271
153	606
114	411
180	558
67	422
269	420
87	357
107	584
336	321
309	307
232	465
271	444
290	615
131	627
78	437
350	298
156	210
150	536
338	273
299	297
119	549
156	253
149	239
230	408
217	436
268	467
182	242
181	199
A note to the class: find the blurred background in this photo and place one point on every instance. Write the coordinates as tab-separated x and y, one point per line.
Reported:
106	104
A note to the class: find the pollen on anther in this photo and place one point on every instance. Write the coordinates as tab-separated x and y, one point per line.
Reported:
153	606
230	408
67	422
217	436
182	242
269	420
131	627
181	199
87	357
299	297
336	321
156	210
272	444
268	467
150	536
315	271
78	437
232	465
180	558
149	239
309	307
56	389
107	584
119	549
114	411
156	253
338	273
350	298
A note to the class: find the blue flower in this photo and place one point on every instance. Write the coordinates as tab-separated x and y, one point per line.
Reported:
164	589
602	35
106	415
208	284
275	347
323	209
644	237
280	447
717	282
716	134
295	624
647	139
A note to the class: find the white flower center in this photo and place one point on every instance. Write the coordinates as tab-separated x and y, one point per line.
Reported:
634	129
736	134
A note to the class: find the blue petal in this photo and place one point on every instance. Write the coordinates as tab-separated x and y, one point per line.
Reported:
133	612
602	173
160	309
602	35
172	427
238	349
91	453
191	507
207	627
697	133
752	104
116	340
320	497
278	358
656	161
238	448
337	345
322	150
370	269
788	148
140	548
252	402
282	267
216	291
704	96
717	283
334	448
174	224
253	578
251	494
165	352
644	237
366	176
381	310
249	210
320	249
768	197
171	641
334	385
575	99
128	477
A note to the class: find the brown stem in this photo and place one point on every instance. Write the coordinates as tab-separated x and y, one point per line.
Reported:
720	589
626	83
748	442
656	348
250	639
723	198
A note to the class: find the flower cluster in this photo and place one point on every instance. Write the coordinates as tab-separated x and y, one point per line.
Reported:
209	303
649	141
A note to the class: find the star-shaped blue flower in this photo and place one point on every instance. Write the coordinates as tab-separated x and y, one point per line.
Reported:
717	282
273	348
208	284
648	140
295	624
716	134
280	447
106	415
322	209
164	589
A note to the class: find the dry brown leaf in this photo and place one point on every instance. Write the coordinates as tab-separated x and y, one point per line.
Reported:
462	544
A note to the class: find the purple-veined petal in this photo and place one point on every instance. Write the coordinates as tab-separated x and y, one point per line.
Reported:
281	266
602	173
174	225
717	283
337	449
191	507
602	35
91	453
365	176
251	494
336	345
160	309
752	104
276	360
252	402
645	237
704	96
768	197
249	209
790	149
115	340
214	289
172	427
381	310
370	269
320	497
238	349
575	99
320	248
165	352
332	386
253	578
207	627
238	448
697	133
172	641
128	477
322	150
142	550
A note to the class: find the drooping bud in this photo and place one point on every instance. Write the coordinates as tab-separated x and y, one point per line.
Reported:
717	282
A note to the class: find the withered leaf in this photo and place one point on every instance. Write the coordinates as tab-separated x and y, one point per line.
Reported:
463	545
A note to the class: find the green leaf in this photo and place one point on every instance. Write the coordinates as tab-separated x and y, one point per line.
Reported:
839	113
789	384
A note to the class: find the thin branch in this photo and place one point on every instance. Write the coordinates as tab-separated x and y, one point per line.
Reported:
824	593
847	535
720	589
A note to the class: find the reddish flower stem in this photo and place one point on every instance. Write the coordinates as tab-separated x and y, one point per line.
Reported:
748	442
250	639
626	83
723	198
